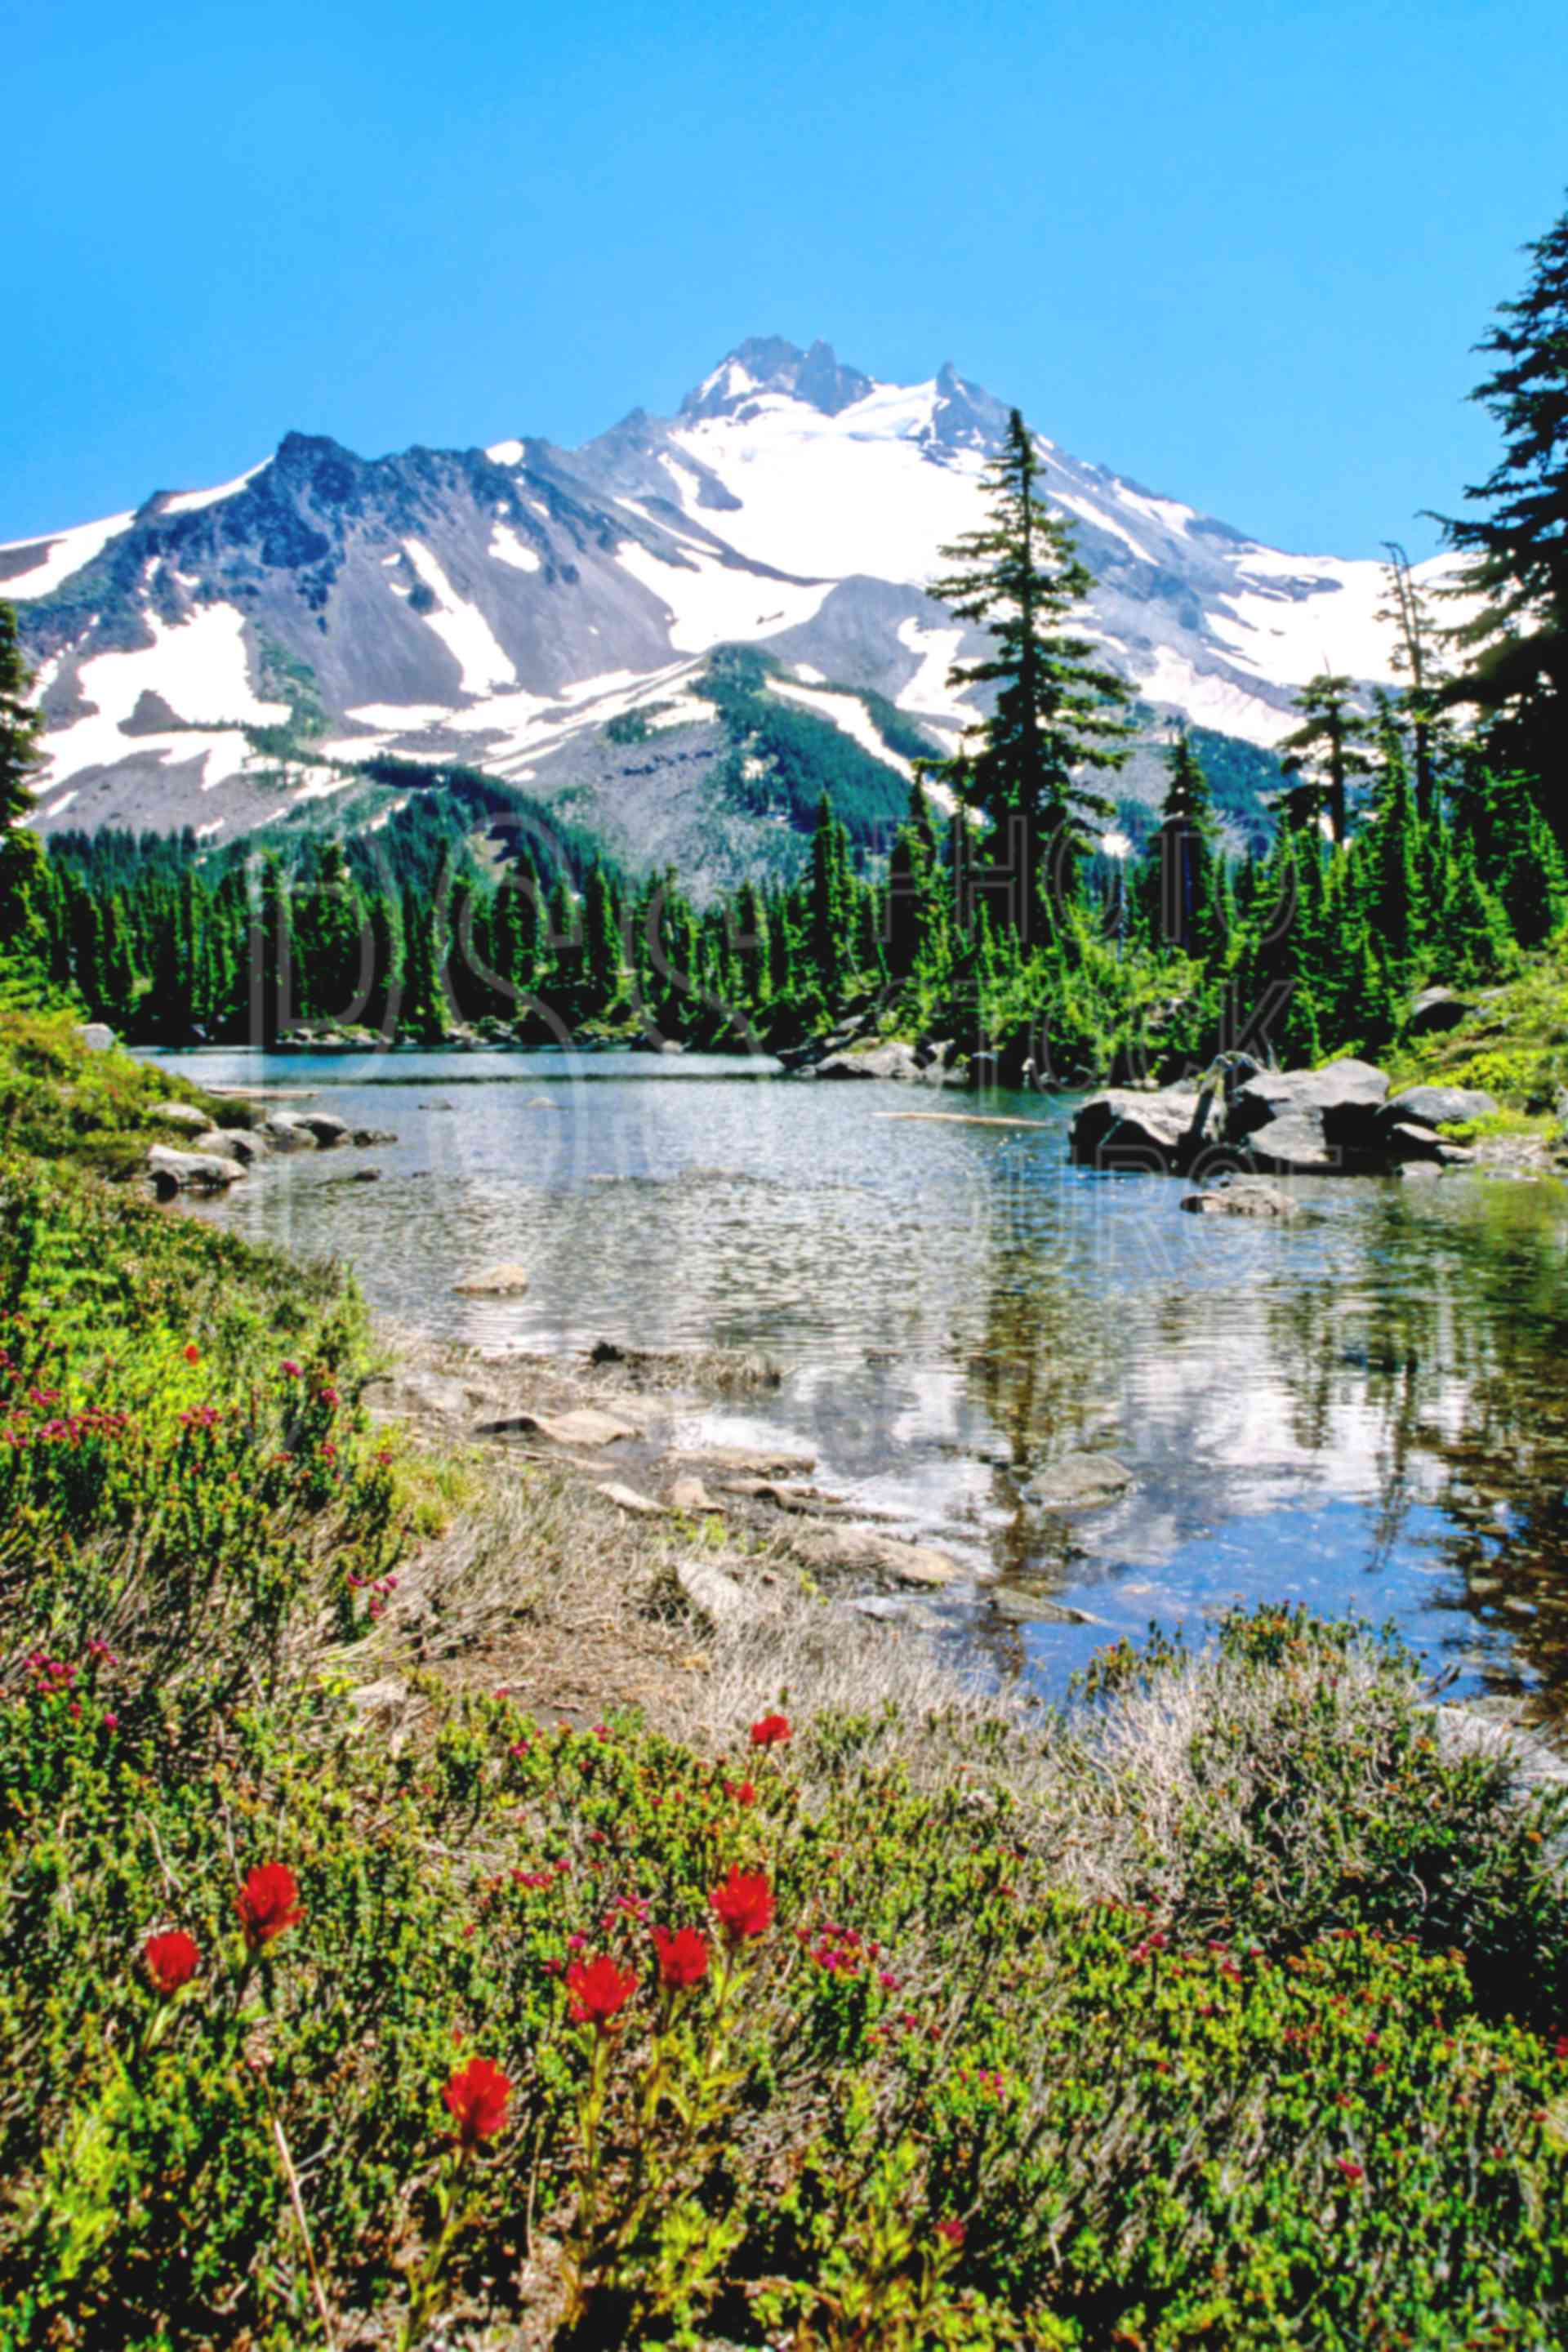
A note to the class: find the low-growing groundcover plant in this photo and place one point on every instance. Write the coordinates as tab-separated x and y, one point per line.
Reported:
522	2034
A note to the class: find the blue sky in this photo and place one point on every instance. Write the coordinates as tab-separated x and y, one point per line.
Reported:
1236	251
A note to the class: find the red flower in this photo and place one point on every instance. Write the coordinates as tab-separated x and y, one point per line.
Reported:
268	1903
1348	2165
289	1370
771	1732
172	1960
193	1353
951	2232
744	1905
742	1793
682	1958
598	1990
476	2097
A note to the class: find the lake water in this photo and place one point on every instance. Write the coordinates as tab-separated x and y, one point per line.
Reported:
1367	1410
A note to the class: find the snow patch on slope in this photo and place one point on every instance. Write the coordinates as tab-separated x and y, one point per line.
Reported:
709	603
507	548
461	627
850	716
58	556
192	501
199	669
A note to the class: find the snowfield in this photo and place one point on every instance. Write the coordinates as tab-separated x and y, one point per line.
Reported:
753	516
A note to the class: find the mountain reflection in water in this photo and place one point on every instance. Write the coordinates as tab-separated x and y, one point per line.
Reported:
1367	1409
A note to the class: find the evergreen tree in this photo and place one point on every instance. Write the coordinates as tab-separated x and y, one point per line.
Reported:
829	904
1515	651
1181	891
25	932
1058	711
1395	897
1328	751
1418	660
424	1009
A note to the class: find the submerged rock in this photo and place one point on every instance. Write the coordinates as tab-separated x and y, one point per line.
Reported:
1079	1482
1019	1608
1243	1196
505	1281
891	1059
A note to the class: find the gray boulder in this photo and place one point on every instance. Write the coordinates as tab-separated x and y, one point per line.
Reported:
1127	1131
1437	1105
238	1143
1436	1010
328	1131
284	1133
1345	1097
182	1115
1295	1145
1407	1141
95	1036
190	1172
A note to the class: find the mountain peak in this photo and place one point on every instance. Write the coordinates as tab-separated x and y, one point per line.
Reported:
766	364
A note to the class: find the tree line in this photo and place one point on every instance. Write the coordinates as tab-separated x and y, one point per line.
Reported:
1422	835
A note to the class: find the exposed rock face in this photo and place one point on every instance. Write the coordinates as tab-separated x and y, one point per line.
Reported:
190	1172
1243	1196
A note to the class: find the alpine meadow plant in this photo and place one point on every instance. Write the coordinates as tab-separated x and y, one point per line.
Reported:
1229	2007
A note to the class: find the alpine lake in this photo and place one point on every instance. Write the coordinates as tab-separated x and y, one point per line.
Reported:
1364	1409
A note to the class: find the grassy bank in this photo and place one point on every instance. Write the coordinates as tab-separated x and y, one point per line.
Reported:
814	2002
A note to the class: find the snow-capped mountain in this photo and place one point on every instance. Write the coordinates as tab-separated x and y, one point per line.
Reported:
216	656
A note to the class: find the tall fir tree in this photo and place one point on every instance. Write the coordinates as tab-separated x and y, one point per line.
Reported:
1514	651
25	934
1328	752
1057	710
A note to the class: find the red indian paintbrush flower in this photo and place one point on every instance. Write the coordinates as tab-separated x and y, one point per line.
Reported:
268	1903
598	1990
682	1957
476	2097
951	2232
744	1905
772	1731
193	1353
172	1960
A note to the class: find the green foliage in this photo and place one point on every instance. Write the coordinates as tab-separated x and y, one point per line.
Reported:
929	2093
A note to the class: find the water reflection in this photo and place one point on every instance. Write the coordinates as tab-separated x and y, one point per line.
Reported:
1366	1407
